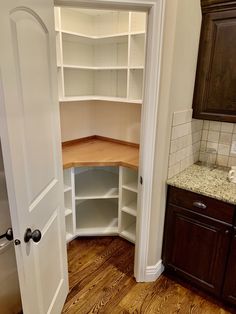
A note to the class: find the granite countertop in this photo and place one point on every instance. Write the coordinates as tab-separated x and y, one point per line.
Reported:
203	180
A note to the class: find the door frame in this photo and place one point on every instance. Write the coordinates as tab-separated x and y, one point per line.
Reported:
155	10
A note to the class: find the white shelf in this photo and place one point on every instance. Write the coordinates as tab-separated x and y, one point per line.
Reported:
130	233
105	83
119	37
114	99
101	55
131	186
131	208
67	188
68	211
96	184
95	68
69	236
97	217
105	199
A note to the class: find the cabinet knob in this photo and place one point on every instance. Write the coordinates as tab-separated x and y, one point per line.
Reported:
199	204
227	231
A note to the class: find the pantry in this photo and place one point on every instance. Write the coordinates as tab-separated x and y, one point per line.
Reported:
100	64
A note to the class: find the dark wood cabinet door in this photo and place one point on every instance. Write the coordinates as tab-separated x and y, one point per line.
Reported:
215	92
196	247
229	291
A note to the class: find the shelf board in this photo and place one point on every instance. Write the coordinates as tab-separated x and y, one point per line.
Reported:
72	66
129	233
104	98
96	184
67	188
97	217
137	33
136	67
68	211
69	236
118	37
130	208
131	186
97	231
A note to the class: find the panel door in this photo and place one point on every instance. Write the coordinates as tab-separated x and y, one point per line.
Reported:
215	93
196	247
30	134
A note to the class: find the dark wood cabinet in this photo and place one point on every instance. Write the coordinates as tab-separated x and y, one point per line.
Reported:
196	247
200	242
229	291
215	92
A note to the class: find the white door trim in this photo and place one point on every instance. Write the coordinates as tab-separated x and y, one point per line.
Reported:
156	12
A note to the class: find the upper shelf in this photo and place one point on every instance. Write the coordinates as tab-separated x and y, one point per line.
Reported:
118	38
100	55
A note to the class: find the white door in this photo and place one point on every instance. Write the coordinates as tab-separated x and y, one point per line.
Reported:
30	134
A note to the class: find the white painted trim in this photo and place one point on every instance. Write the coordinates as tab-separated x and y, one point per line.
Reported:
154	272
156	12
148	135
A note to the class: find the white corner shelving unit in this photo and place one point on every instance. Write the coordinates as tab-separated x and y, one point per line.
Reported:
96	197
69	204
128	203
100	201
100	54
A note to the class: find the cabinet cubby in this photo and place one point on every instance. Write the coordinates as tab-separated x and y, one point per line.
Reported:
128	227
94	22
138	21
98	202
130	179
136	84
137	50
101	54
129	202
97	217
96	183
110	83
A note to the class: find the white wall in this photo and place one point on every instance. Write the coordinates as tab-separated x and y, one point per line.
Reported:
181	38
116	120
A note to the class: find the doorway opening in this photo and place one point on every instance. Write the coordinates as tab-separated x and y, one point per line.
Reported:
101	70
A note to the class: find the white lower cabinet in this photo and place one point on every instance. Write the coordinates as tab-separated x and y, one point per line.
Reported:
100	201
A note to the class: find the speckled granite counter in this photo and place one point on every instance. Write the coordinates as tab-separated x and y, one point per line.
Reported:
203	180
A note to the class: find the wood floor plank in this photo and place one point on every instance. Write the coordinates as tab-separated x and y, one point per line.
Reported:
101	281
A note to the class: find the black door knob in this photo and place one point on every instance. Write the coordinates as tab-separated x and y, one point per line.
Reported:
35	235
8	234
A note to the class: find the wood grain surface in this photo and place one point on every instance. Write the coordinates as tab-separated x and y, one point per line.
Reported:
99	152
101	281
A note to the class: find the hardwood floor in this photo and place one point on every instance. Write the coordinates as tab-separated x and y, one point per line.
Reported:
101	281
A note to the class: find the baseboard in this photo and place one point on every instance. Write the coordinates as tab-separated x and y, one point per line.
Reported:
154	271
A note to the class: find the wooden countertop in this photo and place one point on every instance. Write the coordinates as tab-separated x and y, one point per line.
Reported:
98	151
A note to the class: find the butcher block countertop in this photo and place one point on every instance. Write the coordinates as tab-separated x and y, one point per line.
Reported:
99	151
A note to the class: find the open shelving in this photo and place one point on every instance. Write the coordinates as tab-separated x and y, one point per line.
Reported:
97	217
69	205
100	54
96	183
128	203
98	202
128	227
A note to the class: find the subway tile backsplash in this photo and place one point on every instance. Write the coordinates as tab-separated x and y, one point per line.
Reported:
219	136
193	140
185	141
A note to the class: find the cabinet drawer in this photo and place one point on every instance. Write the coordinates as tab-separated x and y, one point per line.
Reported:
202	204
